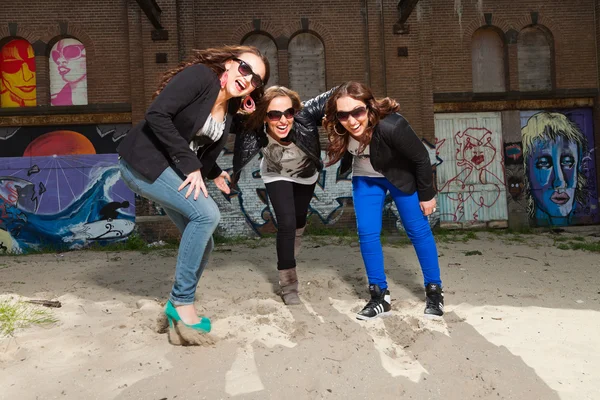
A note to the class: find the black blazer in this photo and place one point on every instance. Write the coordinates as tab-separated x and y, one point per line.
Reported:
162	139
397	153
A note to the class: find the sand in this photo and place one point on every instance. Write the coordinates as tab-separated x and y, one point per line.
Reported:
521	323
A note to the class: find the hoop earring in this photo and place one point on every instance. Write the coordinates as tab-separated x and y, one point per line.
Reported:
336	132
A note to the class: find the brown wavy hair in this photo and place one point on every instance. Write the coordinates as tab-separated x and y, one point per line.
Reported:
337	134
215	58
257	118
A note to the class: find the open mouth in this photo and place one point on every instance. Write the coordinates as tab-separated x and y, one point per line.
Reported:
282	130
240	85
560	198
26	89
63	70
478	159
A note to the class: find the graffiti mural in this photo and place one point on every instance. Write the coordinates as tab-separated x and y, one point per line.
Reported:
17	73
247	211
559	163
68	73
63	190
471	185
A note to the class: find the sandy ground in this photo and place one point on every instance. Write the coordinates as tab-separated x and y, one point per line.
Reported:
522	322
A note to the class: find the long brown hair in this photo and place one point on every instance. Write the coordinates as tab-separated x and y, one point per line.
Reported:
258	116
337	134
215	58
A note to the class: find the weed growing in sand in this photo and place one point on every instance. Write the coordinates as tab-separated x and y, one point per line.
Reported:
16	315
451	236
593	247
473	253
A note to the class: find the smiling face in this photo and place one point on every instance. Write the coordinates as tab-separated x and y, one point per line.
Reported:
17	68
279	128
357	122
552	173
239	85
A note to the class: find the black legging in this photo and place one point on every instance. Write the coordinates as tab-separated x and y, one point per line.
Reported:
290	202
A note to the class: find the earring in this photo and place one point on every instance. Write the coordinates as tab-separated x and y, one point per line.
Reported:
248	104
223	78
336	132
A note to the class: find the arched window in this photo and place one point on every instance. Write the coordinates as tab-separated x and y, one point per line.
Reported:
307	65
68	73
267	46
535	59
17	73
487	61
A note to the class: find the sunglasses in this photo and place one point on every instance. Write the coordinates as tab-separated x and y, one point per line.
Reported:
14	66
70	52
246	70
356	113
275	115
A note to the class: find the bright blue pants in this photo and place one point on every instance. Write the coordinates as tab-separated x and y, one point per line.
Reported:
369	197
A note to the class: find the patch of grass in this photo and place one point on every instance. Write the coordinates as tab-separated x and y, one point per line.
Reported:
593	247
453	235
578	239
473	253
561	239
324	230
16	315
564	246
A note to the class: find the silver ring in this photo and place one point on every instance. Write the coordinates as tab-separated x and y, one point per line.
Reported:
434	209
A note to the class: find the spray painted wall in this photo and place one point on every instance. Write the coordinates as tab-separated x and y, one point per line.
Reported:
60	187
68	73
471	188
559	167
17	73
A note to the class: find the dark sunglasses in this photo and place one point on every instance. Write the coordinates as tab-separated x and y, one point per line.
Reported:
14	66
356	113
246	70
70	52
275	115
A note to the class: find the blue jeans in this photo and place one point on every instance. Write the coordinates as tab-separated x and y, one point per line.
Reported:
369	197
196	219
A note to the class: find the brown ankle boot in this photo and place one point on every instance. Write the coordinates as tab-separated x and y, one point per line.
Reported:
288	281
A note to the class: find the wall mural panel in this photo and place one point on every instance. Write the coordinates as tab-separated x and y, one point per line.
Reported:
471	186
60	187
560	168
68	73
17	73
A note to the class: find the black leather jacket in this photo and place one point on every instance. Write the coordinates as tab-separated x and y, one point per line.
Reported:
398	154
304	134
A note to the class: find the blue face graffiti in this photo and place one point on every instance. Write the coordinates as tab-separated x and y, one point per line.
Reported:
559	172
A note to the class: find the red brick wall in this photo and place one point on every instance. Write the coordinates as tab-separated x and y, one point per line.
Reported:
100	25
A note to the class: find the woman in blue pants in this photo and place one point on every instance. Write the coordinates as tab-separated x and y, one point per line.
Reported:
386	156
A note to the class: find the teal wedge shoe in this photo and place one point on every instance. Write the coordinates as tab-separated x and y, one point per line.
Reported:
172	315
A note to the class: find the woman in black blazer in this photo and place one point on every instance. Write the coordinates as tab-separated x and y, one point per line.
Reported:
167	156
386	156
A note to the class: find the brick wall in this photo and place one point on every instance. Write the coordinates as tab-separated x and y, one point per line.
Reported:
122	65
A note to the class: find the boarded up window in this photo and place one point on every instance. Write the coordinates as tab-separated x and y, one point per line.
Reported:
307	65
535	58
266	46
487	59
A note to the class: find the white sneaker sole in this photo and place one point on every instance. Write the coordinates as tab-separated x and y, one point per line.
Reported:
383	315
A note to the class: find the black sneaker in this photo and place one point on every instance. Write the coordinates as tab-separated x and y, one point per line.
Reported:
434	303
380	304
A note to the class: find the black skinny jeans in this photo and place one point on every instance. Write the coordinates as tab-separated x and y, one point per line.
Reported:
290	202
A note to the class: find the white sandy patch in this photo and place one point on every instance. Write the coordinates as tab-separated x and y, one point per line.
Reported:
551	341
311	310
243	376
105	343
263	320
393	357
